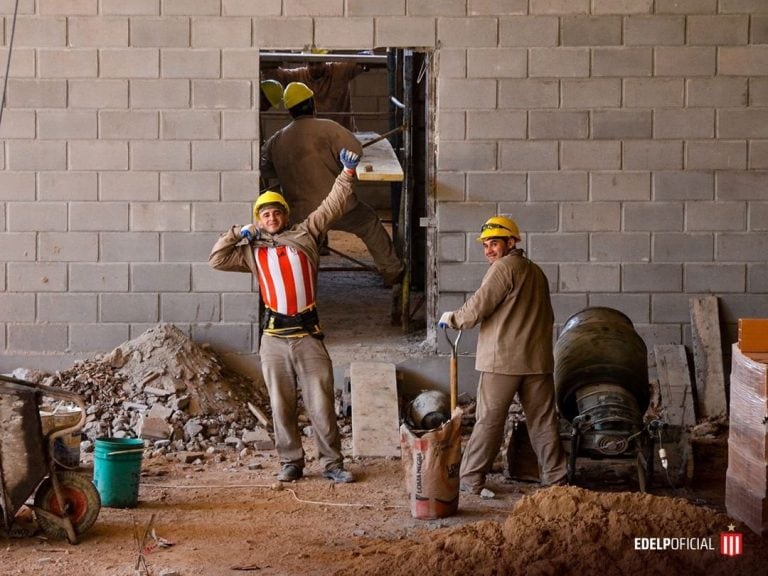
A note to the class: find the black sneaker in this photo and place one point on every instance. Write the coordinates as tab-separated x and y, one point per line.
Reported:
290	473
339	475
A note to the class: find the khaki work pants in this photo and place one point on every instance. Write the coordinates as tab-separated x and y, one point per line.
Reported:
495	394
363	222
290	363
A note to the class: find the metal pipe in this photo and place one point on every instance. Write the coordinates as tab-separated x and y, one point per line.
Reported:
386	134
301	57
407	190
8	60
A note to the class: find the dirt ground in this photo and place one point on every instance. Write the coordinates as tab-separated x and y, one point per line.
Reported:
227	515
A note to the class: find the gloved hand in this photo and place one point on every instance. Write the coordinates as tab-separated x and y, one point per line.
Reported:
349	159
248	232
445	320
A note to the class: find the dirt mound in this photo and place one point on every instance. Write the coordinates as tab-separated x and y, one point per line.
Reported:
164	375
569	530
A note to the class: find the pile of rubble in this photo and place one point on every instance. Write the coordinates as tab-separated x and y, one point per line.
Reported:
175	394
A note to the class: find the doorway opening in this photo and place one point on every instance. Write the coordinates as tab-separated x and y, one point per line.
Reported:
388	109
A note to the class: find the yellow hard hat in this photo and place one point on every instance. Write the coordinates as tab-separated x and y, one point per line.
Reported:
269	197
499	227
315	50
273	90
296	93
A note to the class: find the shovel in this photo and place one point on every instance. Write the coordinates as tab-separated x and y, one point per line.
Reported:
454	345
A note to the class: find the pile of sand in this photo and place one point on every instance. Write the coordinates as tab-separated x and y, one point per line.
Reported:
569	530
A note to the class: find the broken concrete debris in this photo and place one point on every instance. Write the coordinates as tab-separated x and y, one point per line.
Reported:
167	389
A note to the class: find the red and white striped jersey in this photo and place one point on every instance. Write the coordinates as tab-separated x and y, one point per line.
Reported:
286	279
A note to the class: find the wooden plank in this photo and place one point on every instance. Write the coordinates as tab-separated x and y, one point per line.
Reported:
379	162
675	384
375	413
677	405
707	357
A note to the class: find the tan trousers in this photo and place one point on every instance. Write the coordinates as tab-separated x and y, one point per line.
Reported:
290	363
495	394
363	222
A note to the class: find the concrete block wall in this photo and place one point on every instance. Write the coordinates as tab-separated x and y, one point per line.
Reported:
627	137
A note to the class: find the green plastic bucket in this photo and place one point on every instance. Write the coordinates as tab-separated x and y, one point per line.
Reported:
116	471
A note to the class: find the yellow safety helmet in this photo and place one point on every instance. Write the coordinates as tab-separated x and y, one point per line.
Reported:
296	93
499	227
273	90
316	50
269	197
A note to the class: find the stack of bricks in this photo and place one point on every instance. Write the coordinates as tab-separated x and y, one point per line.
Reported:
746	485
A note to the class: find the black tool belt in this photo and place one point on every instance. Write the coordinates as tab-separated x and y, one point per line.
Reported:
284	325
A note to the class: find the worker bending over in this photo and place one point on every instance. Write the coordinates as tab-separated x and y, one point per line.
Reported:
285	260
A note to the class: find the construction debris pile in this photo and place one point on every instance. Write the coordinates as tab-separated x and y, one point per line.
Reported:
170	391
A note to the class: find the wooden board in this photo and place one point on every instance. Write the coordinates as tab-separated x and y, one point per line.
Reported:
707	357
677	406
379	162
675	384
375	413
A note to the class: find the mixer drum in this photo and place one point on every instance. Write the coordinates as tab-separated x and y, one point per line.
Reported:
599	346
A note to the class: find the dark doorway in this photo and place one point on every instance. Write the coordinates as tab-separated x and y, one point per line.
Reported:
390	98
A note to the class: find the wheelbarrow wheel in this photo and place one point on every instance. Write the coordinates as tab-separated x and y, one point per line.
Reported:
82	504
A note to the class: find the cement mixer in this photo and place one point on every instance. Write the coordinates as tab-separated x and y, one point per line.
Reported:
602	389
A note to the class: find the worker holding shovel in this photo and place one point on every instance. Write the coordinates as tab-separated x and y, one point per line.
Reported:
285	260
514	356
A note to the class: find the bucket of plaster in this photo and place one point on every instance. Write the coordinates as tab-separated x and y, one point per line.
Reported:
116	471
66	449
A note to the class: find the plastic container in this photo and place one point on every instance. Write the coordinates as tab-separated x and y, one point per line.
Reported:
116	471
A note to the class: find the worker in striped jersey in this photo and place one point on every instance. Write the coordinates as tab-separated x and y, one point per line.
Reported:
285	260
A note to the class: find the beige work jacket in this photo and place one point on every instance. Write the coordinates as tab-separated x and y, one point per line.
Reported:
514	311
231	254
304	156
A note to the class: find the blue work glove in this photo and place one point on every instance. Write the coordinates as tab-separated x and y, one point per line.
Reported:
445	320
248	232
349	159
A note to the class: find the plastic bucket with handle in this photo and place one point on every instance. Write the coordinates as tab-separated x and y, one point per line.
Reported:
116	471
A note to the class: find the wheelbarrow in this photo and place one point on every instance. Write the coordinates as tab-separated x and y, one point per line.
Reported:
66	503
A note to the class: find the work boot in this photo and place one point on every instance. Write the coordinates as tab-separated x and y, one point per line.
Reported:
290	473
470	489
561	482
339	475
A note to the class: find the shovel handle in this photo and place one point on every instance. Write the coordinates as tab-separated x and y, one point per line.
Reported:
454	383
454	372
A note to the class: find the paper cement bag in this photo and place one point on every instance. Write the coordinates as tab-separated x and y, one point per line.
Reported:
431	465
